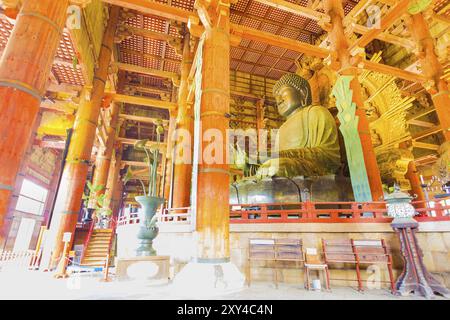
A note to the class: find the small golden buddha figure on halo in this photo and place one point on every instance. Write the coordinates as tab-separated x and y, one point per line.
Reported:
308	140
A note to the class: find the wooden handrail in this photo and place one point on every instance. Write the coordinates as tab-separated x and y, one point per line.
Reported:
88	238
312	212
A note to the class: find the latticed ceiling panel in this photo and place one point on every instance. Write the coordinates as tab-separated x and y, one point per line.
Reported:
251	57
183	4
152	46
290	33
267	61
283	64
134	43
172	54
260	71
277	15
236	53
65	50
151	63
275	74
257	8
68	74
135	21
260	46
153	81
296	21
131	58
289	54
154	24
241	5
245	67
171	66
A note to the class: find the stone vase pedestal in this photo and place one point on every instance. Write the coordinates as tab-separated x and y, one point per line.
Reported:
415	276
153	270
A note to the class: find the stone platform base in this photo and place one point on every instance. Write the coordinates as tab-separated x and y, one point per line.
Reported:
208	279
152	269
328	188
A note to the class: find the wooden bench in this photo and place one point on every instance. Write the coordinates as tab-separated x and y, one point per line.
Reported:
275	250
358	252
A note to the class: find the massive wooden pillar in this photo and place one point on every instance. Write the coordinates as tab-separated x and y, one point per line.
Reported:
211	271
114	183
432	69
213	212
103	160
182	171
24	70
68	203
344	66
168	172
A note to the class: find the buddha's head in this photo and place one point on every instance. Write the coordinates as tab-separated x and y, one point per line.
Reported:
291	92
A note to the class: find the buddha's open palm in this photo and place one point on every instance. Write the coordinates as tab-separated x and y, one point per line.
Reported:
281	167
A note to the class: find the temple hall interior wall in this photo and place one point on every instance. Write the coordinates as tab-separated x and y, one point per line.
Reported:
42	167
434	239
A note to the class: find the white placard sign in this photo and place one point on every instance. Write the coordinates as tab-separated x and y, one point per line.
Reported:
67	236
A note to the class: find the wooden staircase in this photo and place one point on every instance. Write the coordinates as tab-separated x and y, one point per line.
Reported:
97	248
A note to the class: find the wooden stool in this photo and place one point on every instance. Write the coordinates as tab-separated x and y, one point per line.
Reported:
313	262
319	267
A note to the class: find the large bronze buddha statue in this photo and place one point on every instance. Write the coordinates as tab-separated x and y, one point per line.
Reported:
308	158
308	140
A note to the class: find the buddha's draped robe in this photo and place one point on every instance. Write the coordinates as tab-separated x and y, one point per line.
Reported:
308	144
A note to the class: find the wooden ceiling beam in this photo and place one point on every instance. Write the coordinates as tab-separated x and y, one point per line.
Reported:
308	49
426	133
147	33
421	123
146	71
140	118
243	15
389	18
357	9
143	101
296	9
426	160
150	90
131	142
154	8
423	145
147	55
259	65
421	114
278	41
393	71
386	37
49	144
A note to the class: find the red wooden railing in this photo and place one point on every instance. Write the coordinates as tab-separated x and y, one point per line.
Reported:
333	212
309	212
165	215
88	237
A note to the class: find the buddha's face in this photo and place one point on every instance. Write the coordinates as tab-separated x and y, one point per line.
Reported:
288	100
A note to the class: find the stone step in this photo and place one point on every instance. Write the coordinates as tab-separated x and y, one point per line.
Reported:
93	259
93	264
100	255
101	236
95	231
